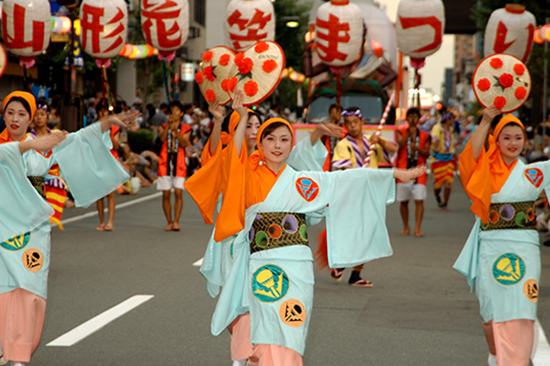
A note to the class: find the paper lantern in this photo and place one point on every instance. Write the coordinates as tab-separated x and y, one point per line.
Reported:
339	32
510	30
165	25
419	28
104	25
26	27
249	22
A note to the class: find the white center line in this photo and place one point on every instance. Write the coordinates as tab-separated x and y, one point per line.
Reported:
84	330
542	355
122	205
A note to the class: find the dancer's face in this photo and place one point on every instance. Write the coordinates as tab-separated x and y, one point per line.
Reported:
510	142
276	146
40	118
412	119
17	120
250	134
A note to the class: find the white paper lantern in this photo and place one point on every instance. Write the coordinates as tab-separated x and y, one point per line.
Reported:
419	28
104	27
510	30
339	32
165	25
26	27
248	22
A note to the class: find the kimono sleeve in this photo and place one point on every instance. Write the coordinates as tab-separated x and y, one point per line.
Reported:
356	216
21	207
476	178
544	167
304	156
206	184
87	165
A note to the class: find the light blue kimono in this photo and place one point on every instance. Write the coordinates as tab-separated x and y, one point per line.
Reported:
218	257
504	265
91	172
280	307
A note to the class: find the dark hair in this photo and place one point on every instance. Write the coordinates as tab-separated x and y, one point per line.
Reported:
23	101
495	121
272	127
413	111
334	106
353	109
176	103
250	114
44	103
101	106
163	106
185	107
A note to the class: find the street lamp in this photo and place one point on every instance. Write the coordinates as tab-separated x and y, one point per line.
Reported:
291	22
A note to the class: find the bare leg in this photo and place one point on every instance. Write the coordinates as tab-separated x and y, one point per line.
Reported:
405	216
178	207
111	208
447	192
167	207
100	208
418	216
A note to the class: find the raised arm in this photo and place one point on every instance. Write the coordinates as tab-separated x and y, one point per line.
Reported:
215	136
478	138
243	112
44	143
325	129
122	120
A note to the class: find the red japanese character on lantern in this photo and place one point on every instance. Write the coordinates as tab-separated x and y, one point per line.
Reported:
339	32
249	22
26	27
104	27
165	25
510	30
419	28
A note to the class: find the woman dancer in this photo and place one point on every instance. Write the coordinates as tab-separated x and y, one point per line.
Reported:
206	185
444	164
266	203
501	258
24	224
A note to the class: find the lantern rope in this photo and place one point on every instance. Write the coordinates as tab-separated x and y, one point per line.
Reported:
164	75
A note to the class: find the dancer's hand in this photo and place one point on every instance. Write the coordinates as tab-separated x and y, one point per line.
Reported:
238	103
489	114
406	175
216	109
44	143
325	129
122	119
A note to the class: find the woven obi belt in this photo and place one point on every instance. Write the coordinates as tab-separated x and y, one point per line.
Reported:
39	183
510	216
277	229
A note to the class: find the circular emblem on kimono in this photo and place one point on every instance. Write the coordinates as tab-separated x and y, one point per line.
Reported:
33	260
508	269
531	290
307	188
16	242
293	313
270	283
535	176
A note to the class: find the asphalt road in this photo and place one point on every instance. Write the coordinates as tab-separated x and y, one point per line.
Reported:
419	312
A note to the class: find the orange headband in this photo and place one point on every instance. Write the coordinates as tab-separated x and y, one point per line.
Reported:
24	95
507	119
259	154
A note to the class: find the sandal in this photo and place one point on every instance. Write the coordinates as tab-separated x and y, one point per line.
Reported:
176	227
362	283
170	227
337	273
100	227
405	232
418	234
109	228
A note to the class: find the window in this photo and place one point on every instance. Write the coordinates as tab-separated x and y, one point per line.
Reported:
200	11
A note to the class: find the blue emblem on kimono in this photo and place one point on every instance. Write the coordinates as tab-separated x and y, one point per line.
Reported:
269	283
508	269
307	188
535	176
16	242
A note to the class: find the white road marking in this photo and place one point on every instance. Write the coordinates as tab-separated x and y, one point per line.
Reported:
542	355
84	330
122	205
198	263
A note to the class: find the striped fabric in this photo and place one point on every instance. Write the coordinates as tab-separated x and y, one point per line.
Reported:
443	172
56	198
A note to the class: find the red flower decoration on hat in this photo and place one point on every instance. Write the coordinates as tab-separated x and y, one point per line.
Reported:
520	93
496	63
519	69
198	77
261	47
484	84
239	58
209	73
224	59
207	56
499	102
229	85
245	66
506	80
210	96
269	65
251	88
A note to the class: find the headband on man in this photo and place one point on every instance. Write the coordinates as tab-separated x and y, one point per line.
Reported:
357	112
44	107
